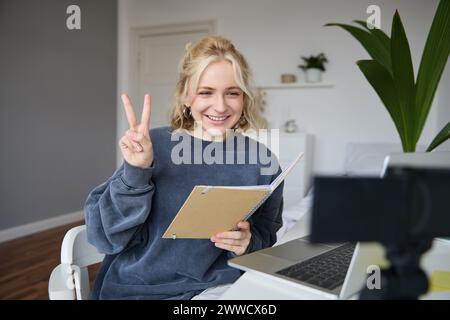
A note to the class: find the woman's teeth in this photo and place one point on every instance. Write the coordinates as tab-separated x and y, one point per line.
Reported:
217	118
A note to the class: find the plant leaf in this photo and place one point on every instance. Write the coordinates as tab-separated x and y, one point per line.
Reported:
434	58
442	136
383	83
383	37
373	45
403	75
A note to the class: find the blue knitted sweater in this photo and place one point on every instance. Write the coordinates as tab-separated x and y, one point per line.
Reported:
127	215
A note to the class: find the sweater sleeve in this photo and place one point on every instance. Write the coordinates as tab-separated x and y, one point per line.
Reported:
116	209
266	221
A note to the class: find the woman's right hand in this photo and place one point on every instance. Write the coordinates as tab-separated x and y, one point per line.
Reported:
136	146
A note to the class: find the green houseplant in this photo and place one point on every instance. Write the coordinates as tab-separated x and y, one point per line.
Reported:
390	72
313	67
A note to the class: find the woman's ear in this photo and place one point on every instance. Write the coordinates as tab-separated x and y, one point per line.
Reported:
188	99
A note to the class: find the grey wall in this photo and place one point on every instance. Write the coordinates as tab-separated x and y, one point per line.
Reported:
57	106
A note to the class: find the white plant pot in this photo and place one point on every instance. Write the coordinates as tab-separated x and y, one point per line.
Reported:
313	75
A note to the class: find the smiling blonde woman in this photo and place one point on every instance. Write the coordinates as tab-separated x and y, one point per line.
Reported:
127	215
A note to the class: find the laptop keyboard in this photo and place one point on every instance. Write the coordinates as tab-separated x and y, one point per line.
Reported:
327	270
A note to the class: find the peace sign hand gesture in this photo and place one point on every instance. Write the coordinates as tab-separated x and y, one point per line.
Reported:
136	146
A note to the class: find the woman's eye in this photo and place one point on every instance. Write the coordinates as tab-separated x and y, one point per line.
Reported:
234	93
204	93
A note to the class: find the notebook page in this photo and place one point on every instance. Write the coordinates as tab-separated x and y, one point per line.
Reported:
275	183
257	187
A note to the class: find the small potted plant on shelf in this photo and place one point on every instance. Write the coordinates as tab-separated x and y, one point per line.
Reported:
313	67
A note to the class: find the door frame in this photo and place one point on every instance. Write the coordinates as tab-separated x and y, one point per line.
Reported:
137	33
131	60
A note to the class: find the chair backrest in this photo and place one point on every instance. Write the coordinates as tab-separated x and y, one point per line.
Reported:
70	279
77	250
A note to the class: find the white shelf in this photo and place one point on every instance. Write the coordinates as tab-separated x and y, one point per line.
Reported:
297	85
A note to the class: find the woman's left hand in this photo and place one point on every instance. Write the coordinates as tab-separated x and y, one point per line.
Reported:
235	241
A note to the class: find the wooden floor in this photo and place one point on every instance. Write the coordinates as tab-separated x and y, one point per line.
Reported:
26	264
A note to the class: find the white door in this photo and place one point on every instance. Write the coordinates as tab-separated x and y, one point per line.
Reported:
159	57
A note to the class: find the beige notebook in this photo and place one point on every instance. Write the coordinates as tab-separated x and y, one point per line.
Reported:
212	209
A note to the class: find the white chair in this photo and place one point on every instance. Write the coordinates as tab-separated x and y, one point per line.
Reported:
70	279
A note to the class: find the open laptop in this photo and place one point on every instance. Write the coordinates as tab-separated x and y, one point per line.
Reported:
334	271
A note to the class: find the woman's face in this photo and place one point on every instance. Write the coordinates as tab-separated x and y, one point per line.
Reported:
218	102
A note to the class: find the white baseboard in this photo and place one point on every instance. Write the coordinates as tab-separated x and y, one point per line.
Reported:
30	228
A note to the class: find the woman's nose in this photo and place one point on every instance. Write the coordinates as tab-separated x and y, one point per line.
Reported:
220	105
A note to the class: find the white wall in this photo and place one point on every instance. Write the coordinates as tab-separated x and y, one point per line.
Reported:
443	110
272	34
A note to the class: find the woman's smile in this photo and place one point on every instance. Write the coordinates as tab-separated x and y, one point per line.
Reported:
216	120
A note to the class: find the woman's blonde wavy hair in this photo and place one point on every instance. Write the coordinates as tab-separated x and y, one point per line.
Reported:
196	58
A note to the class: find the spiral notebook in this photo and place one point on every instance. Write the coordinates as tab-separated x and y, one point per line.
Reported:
212	209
